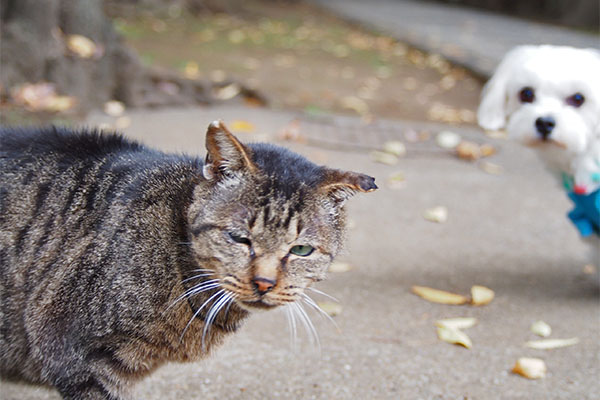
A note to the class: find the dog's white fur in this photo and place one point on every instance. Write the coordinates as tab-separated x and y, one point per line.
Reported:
554	73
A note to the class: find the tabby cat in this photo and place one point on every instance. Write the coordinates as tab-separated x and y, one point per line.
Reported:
116	258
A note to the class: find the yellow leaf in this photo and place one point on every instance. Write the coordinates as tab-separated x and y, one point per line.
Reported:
242	126
468	151
491	168
81	46
227	92
447	139
191	70
395	147
59	103
456	323
541	328
532	368
355	104
454	336
384	158
487	150
114	108
436	214
547	344
480	295
439	296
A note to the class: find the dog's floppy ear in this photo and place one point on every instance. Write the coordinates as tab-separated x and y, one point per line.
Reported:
492	108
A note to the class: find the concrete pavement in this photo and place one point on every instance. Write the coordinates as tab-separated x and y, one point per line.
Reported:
472	38
507	232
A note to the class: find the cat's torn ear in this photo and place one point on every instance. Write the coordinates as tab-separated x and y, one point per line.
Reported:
225	154
341	185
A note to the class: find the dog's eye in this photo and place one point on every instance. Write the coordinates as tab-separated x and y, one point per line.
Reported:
576	100
527	95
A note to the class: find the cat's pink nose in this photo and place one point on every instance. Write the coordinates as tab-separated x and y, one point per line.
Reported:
263	285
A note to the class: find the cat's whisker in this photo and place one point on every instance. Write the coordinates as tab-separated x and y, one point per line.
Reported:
202	287
316	307
233	297
291	318
195	277
322	294
212	314
198	312
308	325
202	270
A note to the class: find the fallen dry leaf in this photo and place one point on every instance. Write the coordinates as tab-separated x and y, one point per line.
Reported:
481	295
531	368
191	70
339	266
332	309
454	336
487	150
396	180
41	97
60	103
439	296
491	168
355	104
499	134
468	151
227	92
395	147
436	214
114	108
456	323
81	46
242	126
548	344
541	328
447	139
384	158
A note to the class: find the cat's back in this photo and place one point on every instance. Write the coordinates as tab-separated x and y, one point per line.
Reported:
57	181
20	147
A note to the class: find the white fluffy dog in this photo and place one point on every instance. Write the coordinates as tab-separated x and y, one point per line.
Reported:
548	97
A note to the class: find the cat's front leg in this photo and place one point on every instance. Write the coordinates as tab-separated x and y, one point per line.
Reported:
86	387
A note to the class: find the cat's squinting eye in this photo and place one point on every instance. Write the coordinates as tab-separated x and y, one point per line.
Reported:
302	251
239	239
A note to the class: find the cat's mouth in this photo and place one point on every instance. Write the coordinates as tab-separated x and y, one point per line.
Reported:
257	304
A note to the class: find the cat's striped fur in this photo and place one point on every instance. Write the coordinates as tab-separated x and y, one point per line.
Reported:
116	258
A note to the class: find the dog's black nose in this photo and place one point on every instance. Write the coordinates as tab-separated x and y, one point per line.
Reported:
544	126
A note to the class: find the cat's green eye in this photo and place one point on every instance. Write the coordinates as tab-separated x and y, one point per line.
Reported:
302	251
239	239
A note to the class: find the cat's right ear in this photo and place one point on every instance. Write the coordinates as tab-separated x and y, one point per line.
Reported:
225	154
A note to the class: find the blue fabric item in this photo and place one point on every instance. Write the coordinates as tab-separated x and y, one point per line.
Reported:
586	214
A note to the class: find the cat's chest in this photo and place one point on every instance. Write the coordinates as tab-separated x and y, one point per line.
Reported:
178	337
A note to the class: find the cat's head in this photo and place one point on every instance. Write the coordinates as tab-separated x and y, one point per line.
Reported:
266	222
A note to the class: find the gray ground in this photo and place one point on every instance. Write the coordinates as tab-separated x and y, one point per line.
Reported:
474	38
507	232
